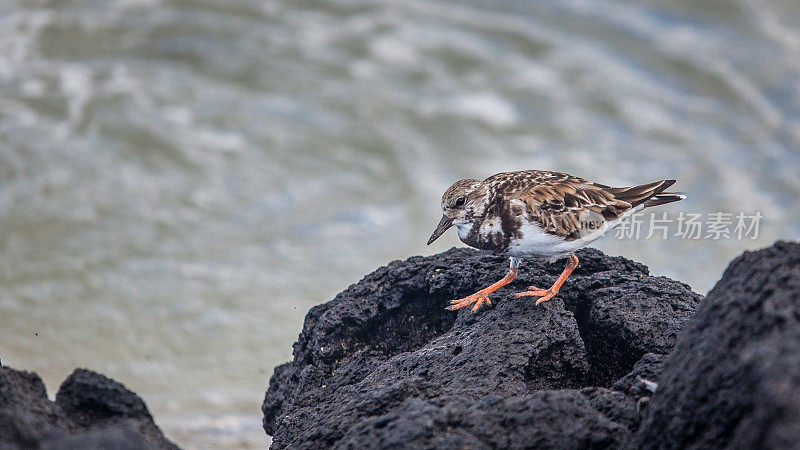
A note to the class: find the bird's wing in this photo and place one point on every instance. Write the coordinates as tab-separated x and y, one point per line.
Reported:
570	206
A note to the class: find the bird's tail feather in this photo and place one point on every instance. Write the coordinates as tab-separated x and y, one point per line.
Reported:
650	194
664	198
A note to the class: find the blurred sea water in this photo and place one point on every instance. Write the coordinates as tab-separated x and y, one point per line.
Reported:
181	180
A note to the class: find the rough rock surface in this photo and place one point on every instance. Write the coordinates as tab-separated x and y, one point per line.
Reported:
91	411
385	365
733	379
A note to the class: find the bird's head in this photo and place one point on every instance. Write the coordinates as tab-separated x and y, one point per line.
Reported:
461	202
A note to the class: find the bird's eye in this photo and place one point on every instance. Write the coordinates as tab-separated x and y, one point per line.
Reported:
460	202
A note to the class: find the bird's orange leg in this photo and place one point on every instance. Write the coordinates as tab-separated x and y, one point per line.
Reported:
483	295
547	294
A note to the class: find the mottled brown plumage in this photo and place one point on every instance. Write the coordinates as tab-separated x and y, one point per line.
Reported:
541	213
555	200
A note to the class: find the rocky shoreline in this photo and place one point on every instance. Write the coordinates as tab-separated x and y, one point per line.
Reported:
620	359
90	411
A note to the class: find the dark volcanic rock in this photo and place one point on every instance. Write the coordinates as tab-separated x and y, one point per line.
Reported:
26	415
733	378
385	365
122	437
90	412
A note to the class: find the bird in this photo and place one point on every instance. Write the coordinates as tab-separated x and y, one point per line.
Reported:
538	214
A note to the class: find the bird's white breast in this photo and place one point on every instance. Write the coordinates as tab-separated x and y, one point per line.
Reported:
534	241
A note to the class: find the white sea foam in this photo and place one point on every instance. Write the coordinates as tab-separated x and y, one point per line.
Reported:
486	107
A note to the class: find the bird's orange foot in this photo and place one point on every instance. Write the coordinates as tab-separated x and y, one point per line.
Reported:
477	299
533	291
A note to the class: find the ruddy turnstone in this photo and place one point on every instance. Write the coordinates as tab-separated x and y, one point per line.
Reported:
538	213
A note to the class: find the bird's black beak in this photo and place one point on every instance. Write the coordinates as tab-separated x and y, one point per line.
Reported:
444	224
